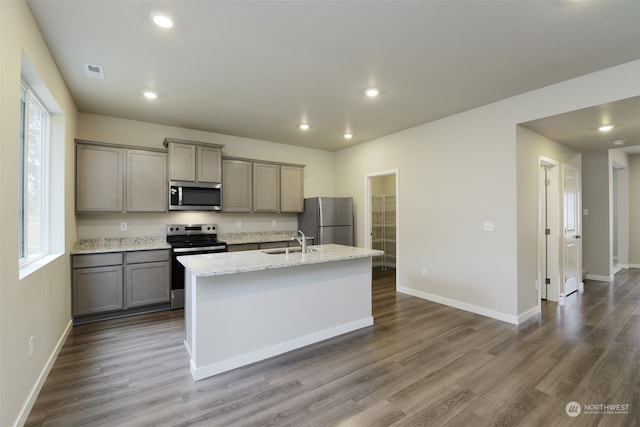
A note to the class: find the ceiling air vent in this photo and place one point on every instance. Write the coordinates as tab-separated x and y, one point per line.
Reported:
94	71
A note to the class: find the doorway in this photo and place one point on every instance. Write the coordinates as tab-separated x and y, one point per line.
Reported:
381	219
548	230
572	254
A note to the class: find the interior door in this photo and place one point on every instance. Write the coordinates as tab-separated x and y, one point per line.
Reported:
571	242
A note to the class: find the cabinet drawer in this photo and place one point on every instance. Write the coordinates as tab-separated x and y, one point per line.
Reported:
96	260
147	256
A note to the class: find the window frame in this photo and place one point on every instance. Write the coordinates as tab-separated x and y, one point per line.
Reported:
25	257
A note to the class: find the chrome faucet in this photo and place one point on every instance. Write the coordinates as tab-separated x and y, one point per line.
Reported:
302	241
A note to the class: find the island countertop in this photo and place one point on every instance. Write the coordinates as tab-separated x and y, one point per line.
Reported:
219	264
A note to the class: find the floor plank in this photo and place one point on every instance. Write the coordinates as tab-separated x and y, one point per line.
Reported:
420	364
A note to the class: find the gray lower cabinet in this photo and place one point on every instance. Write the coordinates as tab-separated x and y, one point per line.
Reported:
97	283
148	276
119	283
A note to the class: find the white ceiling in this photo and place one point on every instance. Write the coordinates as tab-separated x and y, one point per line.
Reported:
257	68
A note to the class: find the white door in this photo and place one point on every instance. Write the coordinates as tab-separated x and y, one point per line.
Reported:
571	242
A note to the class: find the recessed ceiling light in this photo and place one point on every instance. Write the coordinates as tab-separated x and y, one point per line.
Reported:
619	142
304	126
605	128
372	92
348	135
150	95
162	20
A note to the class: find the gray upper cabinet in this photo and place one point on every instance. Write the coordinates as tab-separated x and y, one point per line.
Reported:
260	186
194	161
99	178
113	178
291	189
182	162
209	166
146	181
237	194
266	187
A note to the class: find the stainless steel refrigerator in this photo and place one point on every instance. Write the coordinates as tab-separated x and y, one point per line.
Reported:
328	220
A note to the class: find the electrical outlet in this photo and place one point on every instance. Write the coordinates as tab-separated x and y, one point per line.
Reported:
123	226
238	223
31	345
274	223
424	272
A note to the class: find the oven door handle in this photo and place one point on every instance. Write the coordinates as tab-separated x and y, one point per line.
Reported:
206	248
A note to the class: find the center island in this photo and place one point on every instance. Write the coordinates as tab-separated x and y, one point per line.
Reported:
243	307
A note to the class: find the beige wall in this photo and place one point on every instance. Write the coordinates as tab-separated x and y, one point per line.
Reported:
596	230
619	212
318	177
634	210
39	304
458	172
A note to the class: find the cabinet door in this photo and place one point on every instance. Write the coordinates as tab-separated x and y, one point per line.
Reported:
266	187
147	283
97	289
146	181
237	195
291	189
182	162
99	178
209	167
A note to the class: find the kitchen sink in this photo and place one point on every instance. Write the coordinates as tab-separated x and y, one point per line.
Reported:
281	251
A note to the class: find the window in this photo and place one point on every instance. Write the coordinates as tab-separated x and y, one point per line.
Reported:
33	215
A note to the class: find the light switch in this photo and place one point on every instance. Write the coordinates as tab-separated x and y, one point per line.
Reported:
585	212
487	226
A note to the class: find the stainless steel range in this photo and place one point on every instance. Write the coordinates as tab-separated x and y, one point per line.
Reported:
189	239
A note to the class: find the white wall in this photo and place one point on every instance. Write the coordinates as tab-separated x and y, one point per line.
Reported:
634	211
39	304
458	172
318	177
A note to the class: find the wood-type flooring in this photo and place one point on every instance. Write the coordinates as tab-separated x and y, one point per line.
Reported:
421	364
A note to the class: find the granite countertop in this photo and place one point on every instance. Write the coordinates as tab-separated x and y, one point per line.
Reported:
257	237
219	264
119	244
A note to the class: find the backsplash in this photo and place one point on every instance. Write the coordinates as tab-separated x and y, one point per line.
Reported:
97	226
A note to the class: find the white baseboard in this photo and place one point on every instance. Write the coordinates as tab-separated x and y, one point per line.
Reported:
509	318
532	312
35	391
599	278
623	266
634	265
274	350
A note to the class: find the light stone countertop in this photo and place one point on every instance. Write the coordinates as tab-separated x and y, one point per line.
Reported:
119	244
219	264
257	237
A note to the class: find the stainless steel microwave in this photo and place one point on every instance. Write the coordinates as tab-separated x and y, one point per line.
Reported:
195	196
